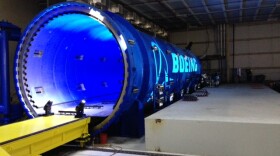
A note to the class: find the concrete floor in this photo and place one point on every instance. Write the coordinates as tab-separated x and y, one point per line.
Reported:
229	103
116	146
97	153
102	150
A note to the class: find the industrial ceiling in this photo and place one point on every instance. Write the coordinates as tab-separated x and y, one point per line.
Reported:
179	14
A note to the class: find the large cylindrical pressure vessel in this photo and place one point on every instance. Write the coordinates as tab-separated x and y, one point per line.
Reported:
73	51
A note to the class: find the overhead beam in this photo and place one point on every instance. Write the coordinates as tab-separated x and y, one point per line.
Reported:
208	12
272	11
192	13
233	18
224	8
141	3
228	10
163	16
241	11
258	9
167	6
153	1
132	9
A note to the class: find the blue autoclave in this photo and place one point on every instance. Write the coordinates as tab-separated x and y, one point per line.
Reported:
73	51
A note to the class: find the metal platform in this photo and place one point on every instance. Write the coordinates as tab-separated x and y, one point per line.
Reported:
234	120
38	135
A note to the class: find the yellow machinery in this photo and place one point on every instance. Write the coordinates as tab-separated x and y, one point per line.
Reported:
36	136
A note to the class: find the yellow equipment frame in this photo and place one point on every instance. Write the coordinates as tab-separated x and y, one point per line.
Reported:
36	136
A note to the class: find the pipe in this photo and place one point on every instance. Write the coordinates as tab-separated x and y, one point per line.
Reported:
233	51
223	39
227	54
73	51
4	73
221	47
224	52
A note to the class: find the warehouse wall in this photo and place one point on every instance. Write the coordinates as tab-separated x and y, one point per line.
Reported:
256	46
20	13
199	37
204	43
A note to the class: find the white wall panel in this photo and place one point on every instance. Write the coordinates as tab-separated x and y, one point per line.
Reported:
201	35
179	37
200	48
276	60
242	47
275	29
275	44
259	31
259	46
261	60
241	32
242	61
256	40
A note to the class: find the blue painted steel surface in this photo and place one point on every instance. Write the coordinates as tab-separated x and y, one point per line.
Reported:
4	73
13	32
8	32
72	51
